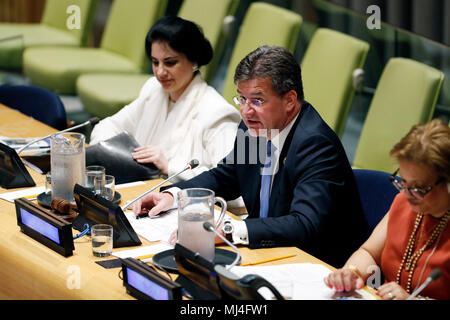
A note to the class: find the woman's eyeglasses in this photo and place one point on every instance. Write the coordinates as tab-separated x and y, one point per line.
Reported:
418	192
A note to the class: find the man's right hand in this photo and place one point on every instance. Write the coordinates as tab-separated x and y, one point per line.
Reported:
153	203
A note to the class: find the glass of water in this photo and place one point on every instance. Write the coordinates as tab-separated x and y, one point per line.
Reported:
102	240
48	183
92	173
105	186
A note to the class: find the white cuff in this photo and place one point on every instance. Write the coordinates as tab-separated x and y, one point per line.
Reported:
240	233
173	191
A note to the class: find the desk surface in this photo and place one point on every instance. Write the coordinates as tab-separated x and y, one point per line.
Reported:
30	270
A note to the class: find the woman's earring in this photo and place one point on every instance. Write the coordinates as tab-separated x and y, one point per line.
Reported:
194	68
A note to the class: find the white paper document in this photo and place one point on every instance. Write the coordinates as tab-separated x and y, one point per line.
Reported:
129	185
143	251
159	228
154	229
30	192
17	143
306	278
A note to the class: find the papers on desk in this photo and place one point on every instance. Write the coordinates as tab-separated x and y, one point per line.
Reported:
129	185
159	228
307	279
154	229
29	193
17	143
143	251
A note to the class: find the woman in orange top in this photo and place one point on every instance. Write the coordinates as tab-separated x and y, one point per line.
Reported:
414	237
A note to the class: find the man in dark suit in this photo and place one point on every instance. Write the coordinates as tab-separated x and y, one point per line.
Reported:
287	164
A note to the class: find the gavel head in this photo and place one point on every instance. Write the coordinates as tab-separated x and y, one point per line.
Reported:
61	205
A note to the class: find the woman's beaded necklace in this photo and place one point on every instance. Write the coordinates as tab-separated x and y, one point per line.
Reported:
409	259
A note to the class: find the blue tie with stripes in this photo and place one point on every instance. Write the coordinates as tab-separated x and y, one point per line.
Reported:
266	178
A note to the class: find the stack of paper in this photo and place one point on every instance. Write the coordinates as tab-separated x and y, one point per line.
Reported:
29	193
142	252
158	228
306	278
17	143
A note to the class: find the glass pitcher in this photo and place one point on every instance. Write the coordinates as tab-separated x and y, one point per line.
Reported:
68	162
195	207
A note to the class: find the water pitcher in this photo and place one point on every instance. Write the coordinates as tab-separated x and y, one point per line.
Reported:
68	163
196	206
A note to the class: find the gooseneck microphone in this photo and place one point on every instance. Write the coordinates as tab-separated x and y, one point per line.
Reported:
92	121
209	227
191	165
436	273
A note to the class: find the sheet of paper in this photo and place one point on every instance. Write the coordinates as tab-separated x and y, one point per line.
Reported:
306	278
160	228
17	143
25	193
143	251
129	184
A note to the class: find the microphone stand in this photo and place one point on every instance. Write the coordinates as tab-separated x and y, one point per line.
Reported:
92	121
191	165
208	226
436	273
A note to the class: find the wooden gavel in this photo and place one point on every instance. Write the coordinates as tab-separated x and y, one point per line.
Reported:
61	205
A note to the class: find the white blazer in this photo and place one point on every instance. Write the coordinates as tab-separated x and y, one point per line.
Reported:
201	125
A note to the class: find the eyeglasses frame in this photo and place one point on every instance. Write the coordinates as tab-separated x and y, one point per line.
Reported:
418	193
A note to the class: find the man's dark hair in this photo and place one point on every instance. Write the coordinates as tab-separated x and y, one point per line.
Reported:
275	63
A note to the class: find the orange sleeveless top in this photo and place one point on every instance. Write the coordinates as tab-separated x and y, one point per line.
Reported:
399	229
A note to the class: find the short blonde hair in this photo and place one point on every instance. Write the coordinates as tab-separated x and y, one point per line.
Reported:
428	144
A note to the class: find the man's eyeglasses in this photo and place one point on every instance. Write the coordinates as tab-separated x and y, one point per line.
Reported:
418	192
256	103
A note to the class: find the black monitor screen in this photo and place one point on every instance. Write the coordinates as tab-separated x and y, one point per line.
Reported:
146	286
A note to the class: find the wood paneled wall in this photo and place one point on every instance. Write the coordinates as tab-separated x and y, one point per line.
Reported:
24	11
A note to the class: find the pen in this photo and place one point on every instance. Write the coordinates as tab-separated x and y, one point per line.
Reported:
268	260
32	166
145	256
32	197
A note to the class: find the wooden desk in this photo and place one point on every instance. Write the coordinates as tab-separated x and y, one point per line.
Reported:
15	124
30	270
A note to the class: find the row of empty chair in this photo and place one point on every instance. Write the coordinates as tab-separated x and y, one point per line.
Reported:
52	31
406	93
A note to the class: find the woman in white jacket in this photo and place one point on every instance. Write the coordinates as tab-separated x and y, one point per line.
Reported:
177	116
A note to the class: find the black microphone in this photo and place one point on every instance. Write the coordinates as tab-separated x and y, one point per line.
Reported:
191	165
209	227
435	274
92	121
236	287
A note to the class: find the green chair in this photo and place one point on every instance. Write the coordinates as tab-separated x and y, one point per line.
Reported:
104	94
263	24
121	49
210	17
406	95
52	31
327	68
